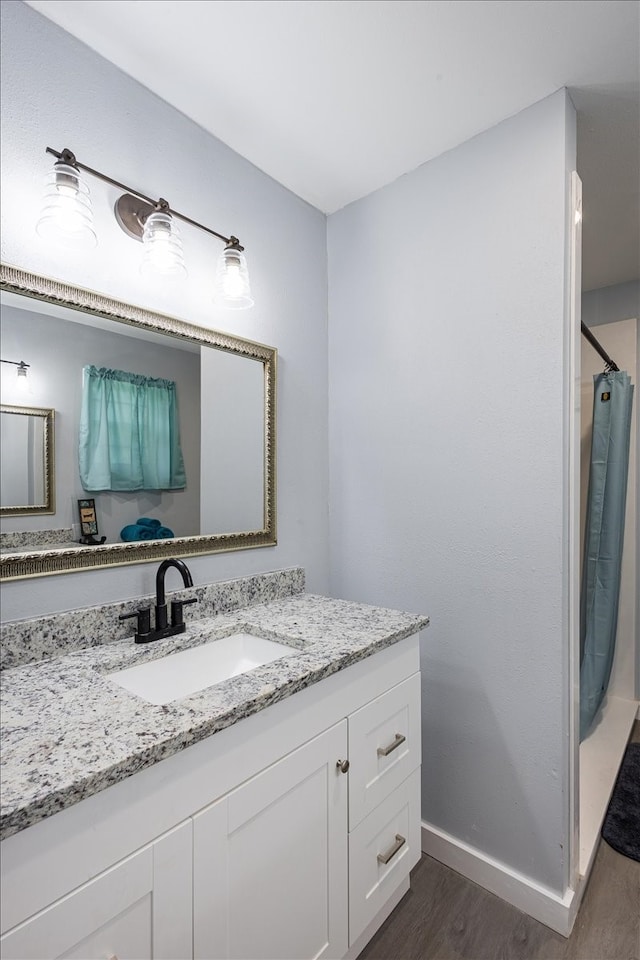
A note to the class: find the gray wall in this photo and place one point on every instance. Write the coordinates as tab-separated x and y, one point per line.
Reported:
610	304
232	465
58	350
447	464
57	92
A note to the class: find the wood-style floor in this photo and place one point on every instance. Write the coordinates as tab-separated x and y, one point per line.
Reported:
446	917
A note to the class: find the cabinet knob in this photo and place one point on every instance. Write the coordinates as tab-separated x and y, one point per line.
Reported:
342	766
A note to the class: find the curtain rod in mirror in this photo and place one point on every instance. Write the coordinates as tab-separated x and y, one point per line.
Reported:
67	213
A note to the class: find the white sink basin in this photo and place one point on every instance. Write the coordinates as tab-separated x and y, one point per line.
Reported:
179	674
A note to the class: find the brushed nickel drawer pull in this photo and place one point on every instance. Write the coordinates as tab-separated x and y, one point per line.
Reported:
342	765
391	852
385	751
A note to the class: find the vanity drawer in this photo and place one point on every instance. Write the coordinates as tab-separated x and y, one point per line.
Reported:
384	747
382	851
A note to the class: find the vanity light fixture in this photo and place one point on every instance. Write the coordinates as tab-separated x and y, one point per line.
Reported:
231	284
144	219
162	244
67	213
22	373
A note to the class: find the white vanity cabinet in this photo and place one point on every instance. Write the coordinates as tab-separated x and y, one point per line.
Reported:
384	800
285	868
258	842
139	908
270	860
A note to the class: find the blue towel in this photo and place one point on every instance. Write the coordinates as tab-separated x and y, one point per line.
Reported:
146	528
135	531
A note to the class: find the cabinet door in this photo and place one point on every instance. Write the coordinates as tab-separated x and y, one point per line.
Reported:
139	908
270	861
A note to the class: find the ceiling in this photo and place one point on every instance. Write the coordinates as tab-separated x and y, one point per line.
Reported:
336	98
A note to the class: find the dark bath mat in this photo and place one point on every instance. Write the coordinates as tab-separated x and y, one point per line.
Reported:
621	828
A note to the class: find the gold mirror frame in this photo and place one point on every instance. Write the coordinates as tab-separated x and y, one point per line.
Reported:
46	562
48	462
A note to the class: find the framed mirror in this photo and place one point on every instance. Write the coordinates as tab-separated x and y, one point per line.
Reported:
225	390
27	471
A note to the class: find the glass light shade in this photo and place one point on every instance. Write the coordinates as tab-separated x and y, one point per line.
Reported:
162	246
23	382
231	285
67	214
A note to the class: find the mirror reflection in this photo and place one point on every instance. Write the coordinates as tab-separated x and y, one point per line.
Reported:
26	461
175	430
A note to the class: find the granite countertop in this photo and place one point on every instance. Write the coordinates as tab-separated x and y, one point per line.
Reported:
69	732
30	548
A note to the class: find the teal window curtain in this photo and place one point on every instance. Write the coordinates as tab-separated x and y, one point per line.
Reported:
129	432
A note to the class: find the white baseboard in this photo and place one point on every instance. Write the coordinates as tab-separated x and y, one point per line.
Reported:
539	902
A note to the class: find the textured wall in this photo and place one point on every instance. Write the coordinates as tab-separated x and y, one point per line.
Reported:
57	92
447	465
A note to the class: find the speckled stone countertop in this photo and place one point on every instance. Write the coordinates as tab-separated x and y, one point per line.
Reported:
16	541
26	641
68	731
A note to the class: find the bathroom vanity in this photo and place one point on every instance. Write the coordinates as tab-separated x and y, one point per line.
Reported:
274	814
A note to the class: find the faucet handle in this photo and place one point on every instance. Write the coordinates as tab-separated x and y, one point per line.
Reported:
177	615
144	622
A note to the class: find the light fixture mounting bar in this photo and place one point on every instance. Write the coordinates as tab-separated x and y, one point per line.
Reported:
16	363
67	156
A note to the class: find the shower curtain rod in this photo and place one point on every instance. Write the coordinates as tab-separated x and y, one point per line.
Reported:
610	365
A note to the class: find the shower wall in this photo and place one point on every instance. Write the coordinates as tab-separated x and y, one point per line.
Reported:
620	340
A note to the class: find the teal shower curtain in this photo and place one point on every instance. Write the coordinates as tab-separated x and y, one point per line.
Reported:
604	533
129	432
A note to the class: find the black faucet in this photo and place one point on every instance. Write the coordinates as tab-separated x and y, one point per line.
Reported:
144	633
